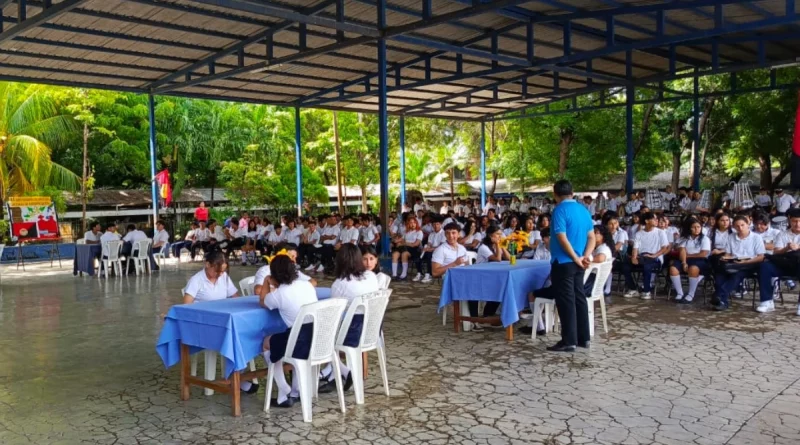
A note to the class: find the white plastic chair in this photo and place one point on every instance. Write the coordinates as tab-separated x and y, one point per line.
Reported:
247	285
141	257
602	271
472	257
373	306
162	254
326	316
110	256
550	315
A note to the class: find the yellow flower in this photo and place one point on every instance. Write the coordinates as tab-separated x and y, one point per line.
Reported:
280	252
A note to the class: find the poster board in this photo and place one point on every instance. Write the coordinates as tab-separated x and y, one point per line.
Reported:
32	218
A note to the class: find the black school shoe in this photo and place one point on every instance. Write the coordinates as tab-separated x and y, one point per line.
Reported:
719	307
527	330
561	347
253	389
288	403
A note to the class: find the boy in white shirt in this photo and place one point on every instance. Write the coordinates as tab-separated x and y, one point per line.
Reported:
160	237
743	255
109	235
450	253
783	201
763	199
186	243
435	239
444	208
649	246
369	234
348	234
132	235
784	262
200	239
309	245
292	233
94	234
260	282
329	237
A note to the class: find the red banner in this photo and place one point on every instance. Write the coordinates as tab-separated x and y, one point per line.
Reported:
164	188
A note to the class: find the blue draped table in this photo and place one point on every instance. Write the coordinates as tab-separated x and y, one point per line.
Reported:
501	282
85	254
234	327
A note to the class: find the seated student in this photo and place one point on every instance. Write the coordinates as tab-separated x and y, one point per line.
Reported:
649	246
201	239
406	247
369	233
287	293
109	235
93	235
236	236
348	234
249	248
260	282
371	262
450	253
744	252
132	235
636	225
783	202
160	237
785	261
602	252
694	248
309	245
435	239
511	225
761	227
763	200
470	237
329	237
274	238
186	243
489	251
213	283
292	233
217	239
673	234
542	251
534	239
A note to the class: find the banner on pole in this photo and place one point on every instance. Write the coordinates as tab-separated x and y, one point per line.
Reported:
32	217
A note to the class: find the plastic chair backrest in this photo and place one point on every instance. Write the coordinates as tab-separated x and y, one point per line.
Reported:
111	249
81	241
142	248
326	316
246	285
373	306
601	271
472	257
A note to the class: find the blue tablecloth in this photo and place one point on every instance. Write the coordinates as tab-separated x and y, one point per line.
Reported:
85	255
496	282
234	327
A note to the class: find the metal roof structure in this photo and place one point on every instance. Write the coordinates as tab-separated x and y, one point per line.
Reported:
456	59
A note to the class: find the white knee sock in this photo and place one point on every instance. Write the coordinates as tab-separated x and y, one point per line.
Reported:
284	390
405	270
326	372
394	269
676	283
295	385
607	288
540	325
693	283
244	257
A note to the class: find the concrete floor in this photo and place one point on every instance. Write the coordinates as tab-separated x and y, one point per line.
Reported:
78	365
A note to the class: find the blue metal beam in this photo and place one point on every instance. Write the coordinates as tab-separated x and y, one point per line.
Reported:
383	130
402	162
151	112
696	133
630	94
26	24
298	161
483	164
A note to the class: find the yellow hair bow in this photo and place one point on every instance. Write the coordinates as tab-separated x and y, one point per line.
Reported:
280	252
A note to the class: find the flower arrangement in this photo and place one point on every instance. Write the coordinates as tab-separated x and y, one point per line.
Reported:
515	241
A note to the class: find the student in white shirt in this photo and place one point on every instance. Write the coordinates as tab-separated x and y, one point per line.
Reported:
93	235
261	282
292	233
406	247
501	207
649	246
783	201
288	294
490	205
525	205
274	238
785	261
132	235
449	254
633	205
511	225
743	255
435	239
761	227
470	237
619	236
719	238
310	246
369	233
667	195
763	200
109	235
534	237
349	234
370	257
186	243
444	208
489	251
673	234
160	237
200	239
236	237
329	237
419	206
694	248
590	205
217	240
250	241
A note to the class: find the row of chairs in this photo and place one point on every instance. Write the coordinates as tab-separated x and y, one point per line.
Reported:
112	258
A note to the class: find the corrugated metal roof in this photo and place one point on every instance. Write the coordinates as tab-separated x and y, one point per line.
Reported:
130	44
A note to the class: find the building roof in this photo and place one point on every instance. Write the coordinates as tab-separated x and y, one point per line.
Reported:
455	59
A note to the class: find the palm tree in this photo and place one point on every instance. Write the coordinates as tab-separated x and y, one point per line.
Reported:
29	125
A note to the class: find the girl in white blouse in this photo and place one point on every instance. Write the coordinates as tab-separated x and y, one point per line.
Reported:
470	236
694	248
370	257
406	247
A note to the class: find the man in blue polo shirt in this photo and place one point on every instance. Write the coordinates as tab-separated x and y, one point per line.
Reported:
572	243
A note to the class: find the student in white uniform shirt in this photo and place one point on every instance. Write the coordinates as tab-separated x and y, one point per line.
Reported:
783	201
534	236
349	234
251	239
525	205
785	261
719	238
470	236
633	205
160	237
445	208
694	248
200	239
93	235
110	234
288	294
761	227
763	200
501	207
186	243
236	236
370	257
743	255
490	205
261	283
218	240
489	251
329	237
369	233
667	195
673	234
649	246
435	239
406	248
292	233
310	246
132	235
450	253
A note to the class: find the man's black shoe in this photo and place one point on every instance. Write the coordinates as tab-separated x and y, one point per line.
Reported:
561	347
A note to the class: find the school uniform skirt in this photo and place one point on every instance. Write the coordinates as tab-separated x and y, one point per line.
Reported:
302	348
700	263
353	336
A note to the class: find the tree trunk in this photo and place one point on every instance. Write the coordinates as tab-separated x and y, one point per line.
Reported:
494	172
336	149
563	152
765	162
677	128
648	112
452	185
84	175
364	205
707	108
781	175
213	184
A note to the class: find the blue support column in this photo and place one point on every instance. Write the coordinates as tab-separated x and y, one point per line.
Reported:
402	162
383	131
483	165
629	99
696	135
298	161
151	110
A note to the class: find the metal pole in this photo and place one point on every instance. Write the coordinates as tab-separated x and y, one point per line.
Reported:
629	99
151	110
696	135
298	161
402	162
483	165
383	132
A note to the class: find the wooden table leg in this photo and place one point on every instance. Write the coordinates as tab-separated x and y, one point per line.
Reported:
457	316
510	333
186	363
236	396
364	364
